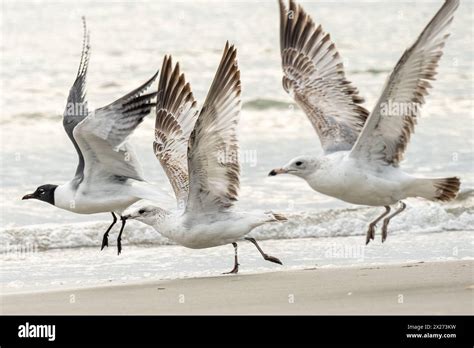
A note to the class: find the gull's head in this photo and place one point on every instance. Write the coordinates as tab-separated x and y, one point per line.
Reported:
301	166
43	193
147	214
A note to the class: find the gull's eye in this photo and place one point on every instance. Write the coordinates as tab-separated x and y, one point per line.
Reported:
298	163
141	211
41	191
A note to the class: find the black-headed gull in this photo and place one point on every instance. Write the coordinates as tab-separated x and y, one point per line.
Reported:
362	152
108	176
203	148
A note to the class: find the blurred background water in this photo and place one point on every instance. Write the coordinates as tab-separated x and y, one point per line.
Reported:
40	50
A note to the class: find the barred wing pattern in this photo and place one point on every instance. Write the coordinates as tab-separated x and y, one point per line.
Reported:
176	114
314	76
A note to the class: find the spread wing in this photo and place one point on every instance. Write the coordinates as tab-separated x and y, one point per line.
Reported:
314	76
213	161
102	136
391	123
176	115
76	107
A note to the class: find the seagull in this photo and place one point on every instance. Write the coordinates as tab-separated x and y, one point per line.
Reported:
362	151
108	177
199	154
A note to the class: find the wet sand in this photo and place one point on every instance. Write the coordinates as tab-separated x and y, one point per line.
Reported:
418	288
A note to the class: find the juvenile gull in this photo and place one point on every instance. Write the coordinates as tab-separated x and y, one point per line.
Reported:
199	154
362	152
108	176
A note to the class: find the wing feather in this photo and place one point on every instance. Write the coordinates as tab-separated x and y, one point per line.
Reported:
176	115
76	107
391	123
102	136
314	76
213	158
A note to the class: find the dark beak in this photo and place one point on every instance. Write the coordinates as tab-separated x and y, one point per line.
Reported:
277	171
29	196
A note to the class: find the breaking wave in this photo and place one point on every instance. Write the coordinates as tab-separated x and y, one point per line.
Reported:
419	217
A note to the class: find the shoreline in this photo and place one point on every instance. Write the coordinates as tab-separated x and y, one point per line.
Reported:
71	269
409	288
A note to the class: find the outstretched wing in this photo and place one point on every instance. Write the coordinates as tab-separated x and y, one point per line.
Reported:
76	107
314	76
213	161
102	136
391	123
176	115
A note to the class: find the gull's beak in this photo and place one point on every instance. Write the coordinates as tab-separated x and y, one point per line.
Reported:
125	217
29	196
278	171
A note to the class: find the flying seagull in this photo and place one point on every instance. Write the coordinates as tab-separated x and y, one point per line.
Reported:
199	153
108	176
362	152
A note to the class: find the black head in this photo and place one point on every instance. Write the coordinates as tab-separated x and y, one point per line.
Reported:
44	193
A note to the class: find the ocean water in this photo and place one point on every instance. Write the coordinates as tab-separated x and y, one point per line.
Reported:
40	49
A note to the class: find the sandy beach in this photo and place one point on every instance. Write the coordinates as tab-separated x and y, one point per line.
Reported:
412	288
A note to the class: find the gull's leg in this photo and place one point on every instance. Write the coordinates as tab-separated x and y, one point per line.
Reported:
119	238
236	261
371	231
265	256
105	238
387	220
